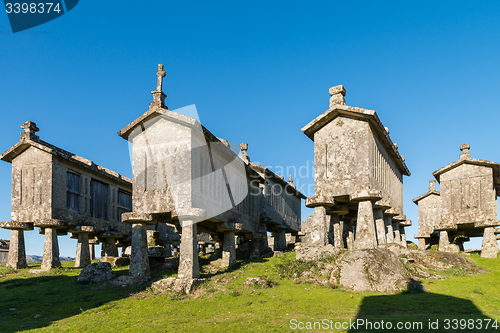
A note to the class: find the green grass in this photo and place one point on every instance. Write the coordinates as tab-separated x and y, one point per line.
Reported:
225	304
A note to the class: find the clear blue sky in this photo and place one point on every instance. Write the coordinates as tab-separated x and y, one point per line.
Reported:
257	72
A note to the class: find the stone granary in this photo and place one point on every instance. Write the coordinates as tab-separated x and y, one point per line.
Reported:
60	192
429	209
280	204
358	177
186	176
465	207
4	251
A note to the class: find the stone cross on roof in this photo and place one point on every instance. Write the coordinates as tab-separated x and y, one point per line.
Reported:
337	93
244	155
465	151
432	185
30	130
160	75
158	94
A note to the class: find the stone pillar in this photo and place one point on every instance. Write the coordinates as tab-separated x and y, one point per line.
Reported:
389	229
82	250
444	241
110	247
92	251
380	226
338	240
168	250
319	233
397	235
139	260
92	243
229	249
17	252
350	233
345	232
189	266
264	245
280	240
254	249
422	244
403	236
50	250
365	227
490	244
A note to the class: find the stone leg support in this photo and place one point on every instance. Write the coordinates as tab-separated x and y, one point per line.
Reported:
50	250
17	252
82	250
490	244
350	234
422	244
345	232
92	251
168	250
264	245
444	241
139	260
397	235
389	231
229	249
380	226
319	232
403	236
189	266
338	229
254	249
365	227
280	240
111	249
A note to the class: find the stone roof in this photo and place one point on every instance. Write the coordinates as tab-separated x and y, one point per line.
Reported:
343	110
156	111
29	139
425	195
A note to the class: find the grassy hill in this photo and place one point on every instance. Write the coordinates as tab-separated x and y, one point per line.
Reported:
54	302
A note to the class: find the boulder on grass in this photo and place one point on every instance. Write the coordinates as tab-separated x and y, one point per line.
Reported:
371	270
96	272
176	285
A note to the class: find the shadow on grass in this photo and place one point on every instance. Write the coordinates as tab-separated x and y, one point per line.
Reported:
35	301
415	310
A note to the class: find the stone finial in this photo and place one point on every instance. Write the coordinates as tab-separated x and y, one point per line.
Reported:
387	130
290	180
337	93
396	145
158	94
244	155
465	151
30	130
432	185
